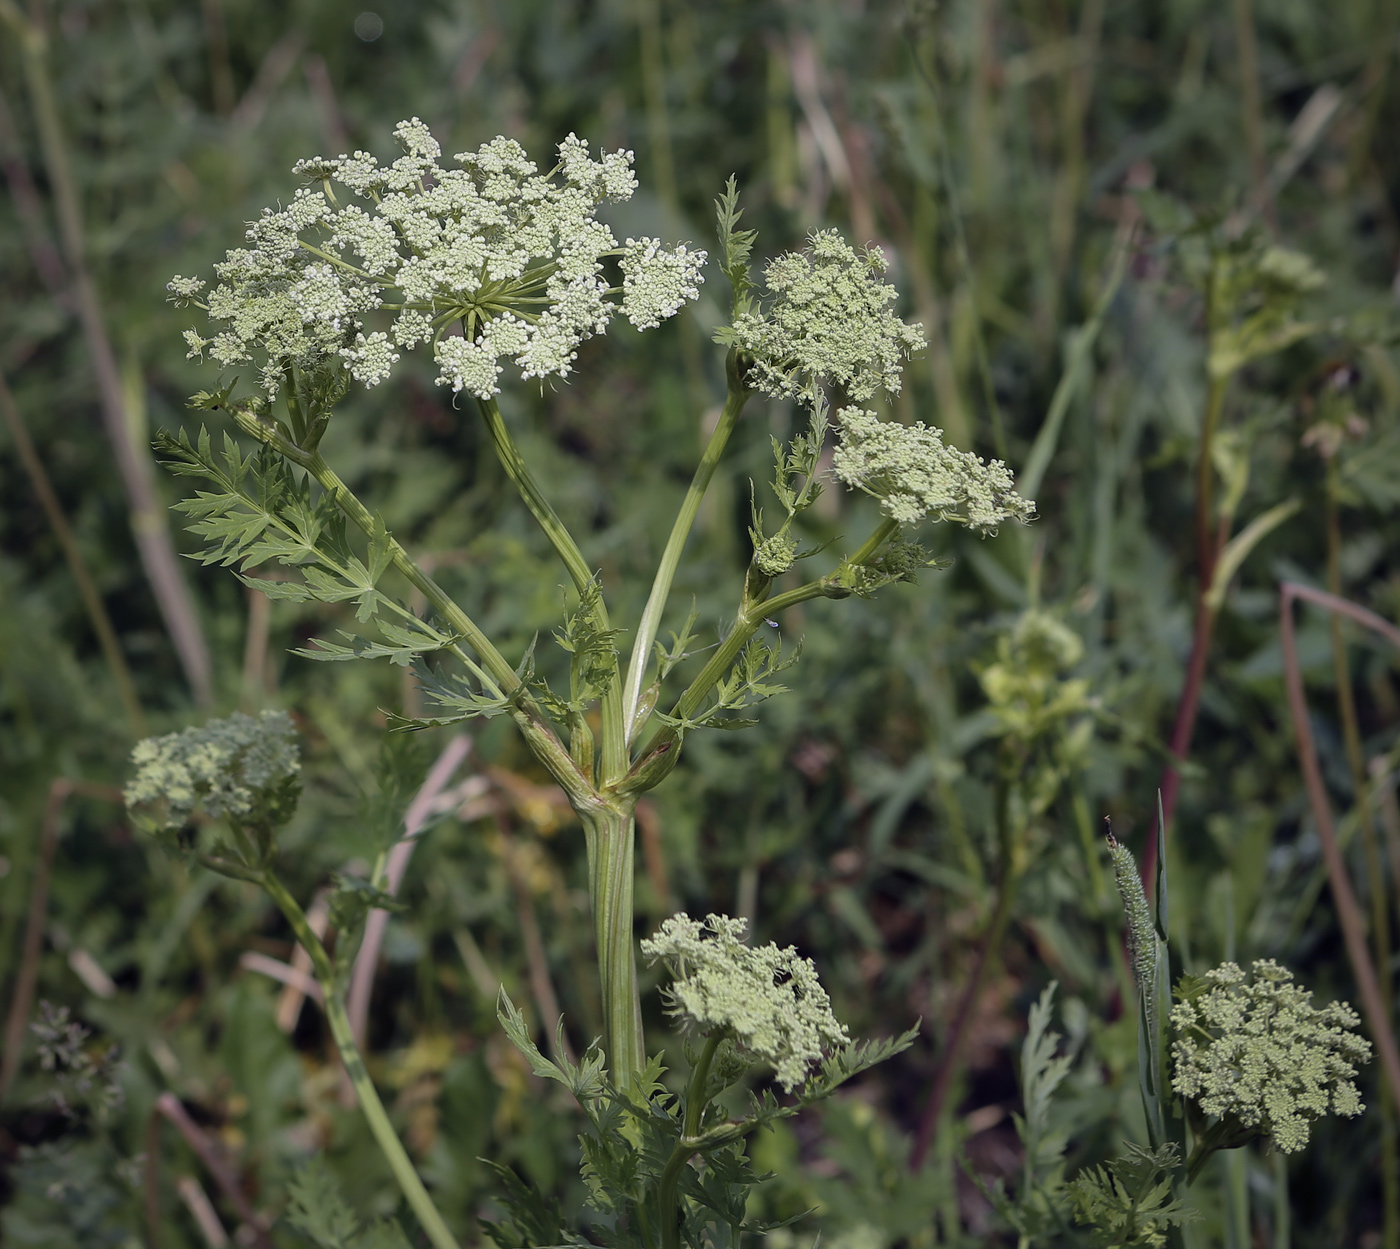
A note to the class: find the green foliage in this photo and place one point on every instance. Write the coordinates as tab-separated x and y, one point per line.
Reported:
1042	1072
746	684
638	1143
797	483
736	248
592	650
71	1197
1129	1202
318	1210
263	510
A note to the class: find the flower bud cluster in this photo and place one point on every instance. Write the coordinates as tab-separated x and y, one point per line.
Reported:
768	1000
512	256
245	768
914	475
1254	1047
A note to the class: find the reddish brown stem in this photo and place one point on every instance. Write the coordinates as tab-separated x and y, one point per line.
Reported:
1182	728
168	1107
951	1061
1208	549
1348	910
150	1182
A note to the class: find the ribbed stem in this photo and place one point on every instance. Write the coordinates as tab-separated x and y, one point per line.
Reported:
610	862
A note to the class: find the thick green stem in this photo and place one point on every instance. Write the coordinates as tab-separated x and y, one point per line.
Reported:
667	1190
339	1019
650	622
1233	1174
610	869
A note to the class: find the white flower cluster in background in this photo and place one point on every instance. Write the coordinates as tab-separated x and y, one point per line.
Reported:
768	1000
914	474
512	257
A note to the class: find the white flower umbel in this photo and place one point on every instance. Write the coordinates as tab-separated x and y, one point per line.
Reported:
1253	1047
244	768
768	999
914	474
510	258
829	321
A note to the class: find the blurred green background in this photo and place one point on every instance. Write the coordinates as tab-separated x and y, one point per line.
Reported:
995	149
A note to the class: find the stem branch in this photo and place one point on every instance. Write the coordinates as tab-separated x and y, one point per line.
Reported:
614	744
667	1194
650	622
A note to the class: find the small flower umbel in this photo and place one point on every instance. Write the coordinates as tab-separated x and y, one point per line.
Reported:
1252	1052
829	322
512	257
243	769
768	1000
914	475
246	770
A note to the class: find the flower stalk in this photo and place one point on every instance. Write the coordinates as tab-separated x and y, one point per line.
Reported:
688	1145
405	1173
650	622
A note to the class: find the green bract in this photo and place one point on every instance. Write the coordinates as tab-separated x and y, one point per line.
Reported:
244	768
768	999
512	256
914	475
829	322
1255	1048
